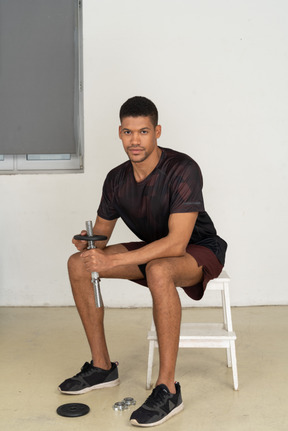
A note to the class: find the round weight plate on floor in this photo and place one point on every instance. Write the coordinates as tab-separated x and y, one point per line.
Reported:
120	405
129	401
73	410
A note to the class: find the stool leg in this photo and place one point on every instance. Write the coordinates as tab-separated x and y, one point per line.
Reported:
150	363
229	362
234	364
224	308
227	308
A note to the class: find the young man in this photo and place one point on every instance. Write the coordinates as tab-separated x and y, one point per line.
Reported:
158	194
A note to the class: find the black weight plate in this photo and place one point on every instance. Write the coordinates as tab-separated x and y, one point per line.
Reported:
73	410
90	238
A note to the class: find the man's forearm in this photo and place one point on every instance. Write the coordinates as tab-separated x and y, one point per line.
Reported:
173	245
164	247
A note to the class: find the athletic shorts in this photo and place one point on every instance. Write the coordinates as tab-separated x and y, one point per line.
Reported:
203	256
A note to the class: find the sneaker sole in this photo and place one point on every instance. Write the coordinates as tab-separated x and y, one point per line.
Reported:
92	388
172	413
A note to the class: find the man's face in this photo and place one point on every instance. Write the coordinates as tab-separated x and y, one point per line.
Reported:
139	137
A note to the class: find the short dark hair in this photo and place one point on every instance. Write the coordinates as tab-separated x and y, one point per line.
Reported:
139	106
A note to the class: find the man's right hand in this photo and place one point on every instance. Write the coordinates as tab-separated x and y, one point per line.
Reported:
80	245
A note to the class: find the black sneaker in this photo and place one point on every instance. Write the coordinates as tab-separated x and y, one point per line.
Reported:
160	406
90	378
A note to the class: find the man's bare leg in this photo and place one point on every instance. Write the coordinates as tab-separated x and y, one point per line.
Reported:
163	275
91	316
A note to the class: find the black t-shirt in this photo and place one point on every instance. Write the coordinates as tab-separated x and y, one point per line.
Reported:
174	186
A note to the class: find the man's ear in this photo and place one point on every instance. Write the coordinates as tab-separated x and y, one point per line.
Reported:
119	132
158	129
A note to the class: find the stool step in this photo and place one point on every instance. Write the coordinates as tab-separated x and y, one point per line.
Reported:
201	335
200	330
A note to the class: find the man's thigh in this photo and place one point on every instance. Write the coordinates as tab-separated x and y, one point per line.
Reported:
184	270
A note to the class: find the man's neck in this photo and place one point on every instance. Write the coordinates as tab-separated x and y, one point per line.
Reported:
143	169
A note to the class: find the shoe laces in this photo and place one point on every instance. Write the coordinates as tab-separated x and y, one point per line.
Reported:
86	367
157	397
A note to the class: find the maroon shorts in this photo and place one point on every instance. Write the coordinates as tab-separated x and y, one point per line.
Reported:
203	256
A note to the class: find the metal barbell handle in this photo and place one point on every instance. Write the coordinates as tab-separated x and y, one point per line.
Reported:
95	280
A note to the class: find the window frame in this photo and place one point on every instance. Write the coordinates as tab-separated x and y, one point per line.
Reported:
20	163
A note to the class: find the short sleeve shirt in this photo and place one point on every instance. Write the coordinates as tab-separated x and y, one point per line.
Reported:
174	186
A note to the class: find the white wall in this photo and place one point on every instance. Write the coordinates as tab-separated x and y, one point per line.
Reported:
217	70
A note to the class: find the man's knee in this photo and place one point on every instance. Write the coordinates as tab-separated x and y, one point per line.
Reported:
159	274
73	259
75	265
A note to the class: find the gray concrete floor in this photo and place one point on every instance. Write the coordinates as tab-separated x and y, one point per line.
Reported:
40	347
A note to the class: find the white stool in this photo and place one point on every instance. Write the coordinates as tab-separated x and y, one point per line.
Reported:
216	335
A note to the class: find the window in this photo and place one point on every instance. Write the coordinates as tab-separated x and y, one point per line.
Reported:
41	103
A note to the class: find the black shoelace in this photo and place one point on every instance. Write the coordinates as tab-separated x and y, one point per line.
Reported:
156	398
86	367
